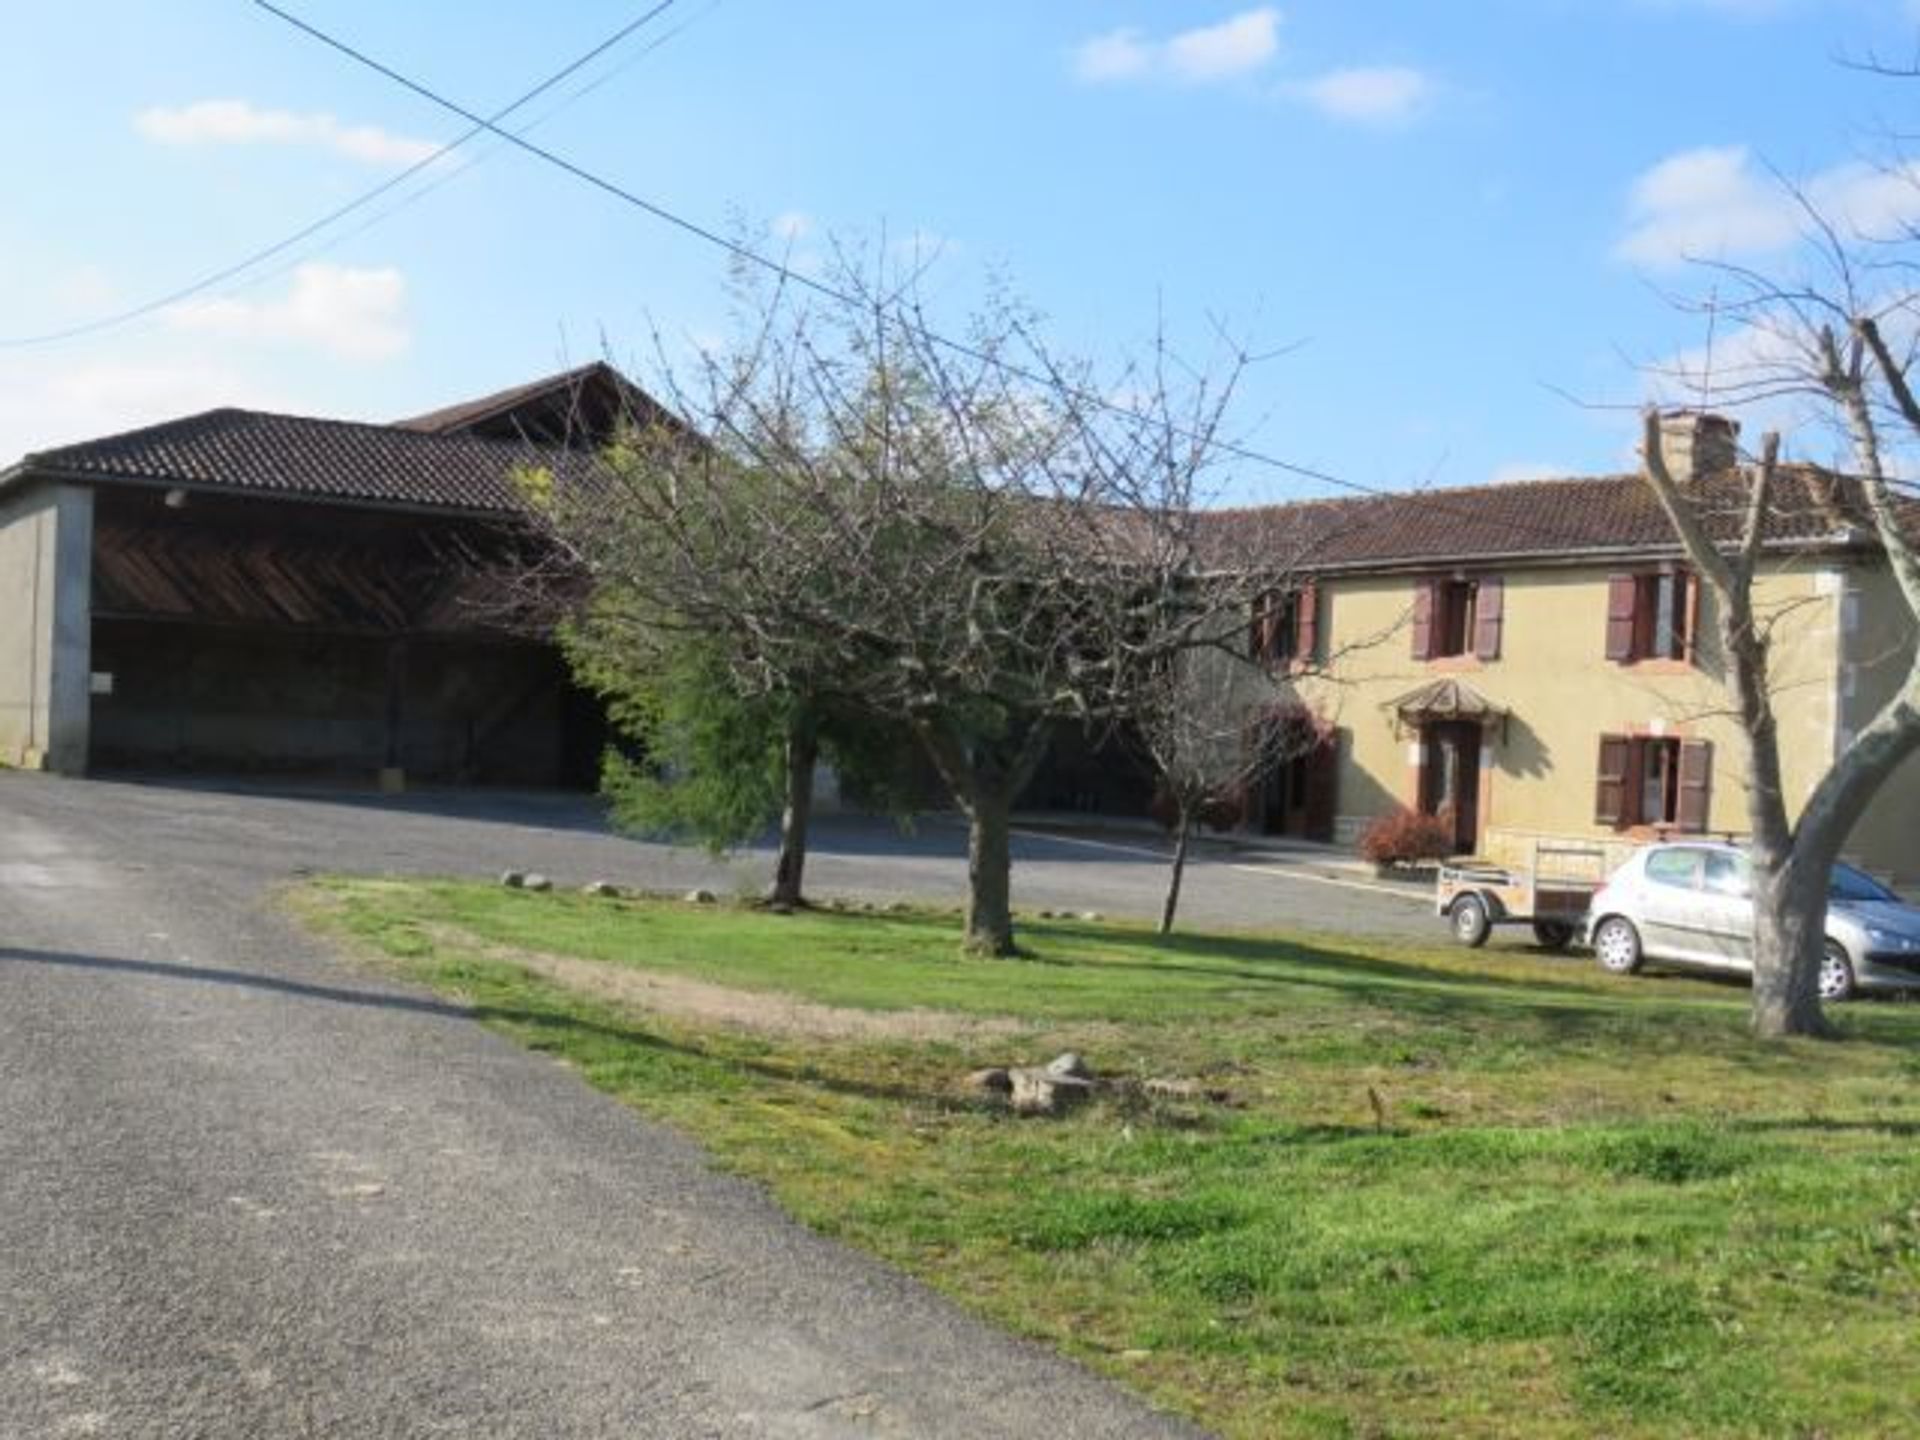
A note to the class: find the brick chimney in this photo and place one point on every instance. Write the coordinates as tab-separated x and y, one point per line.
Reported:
1698	442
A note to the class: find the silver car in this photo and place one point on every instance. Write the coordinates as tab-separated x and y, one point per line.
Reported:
1692	904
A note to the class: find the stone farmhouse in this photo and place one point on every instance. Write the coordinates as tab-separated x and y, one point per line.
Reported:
1535	661
239	591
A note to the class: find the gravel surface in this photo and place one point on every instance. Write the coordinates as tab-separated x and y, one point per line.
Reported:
247	1190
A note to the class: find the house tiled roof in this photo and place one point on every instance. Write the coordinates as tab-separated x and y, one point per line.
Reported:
1595	514
296	457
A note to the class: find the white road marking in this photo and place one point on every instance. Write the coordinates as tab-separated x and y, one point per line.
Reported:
1310	879
1272	871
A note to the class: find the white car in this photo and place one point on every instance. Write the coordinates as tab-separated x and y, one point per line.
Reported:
1692	904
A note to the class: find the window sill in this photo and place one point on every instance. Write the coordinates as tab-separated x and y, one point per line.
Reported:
1660	667
1447	664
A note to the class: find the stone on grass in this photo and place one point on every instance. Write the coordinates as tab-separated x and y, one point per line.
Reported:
536	882
601	889
1090	915
701	897
1069	1064
1038	1092
992	1083
512	879
896	907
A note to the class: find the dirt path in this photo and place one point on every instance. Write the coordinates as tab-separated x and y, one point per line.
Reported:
703	1002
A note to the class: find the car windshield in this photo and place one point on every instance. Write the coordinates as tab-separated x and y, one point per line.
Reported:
1849	884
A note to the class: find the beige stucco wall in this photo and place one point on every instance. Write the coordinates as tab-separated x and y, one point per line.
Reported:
1563	695
46	552
1877	649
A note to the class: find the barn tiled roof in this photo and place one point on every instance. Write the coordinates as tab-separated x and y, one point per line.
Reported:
452	418
296	457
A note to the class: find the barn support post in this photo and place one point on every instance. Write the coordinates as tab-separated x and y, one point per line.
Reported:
393	774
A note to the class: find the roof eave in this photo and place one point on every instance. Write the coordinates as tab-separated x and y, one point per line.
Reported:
61	476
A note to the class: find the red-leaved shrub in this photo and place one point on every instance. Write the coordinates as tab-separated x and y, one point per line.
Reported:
1405	837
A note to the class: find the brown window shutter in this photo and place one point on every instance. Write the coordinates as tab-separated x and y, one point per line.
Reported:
1696	784
1306	645
1257	628
1489	611
1425	594
1610	792
1623	595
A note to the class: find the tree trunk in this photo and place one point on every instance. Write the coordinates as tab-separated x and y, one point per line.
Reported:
803	751
1182	829
990	871
1789	937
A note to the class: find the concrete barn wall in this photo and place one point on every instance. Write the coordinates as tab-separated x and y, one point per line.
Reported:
46	570
197	697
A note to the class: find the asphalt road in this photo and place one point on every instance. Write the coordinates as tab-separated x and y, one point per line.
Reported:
246	1190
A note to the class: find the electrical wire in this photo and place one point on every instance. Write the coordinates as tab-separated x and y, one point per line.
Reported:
748	255
479	126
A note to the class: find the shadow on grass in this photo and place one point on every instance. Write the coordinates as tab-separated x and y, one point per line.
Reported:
556	1019
1425	992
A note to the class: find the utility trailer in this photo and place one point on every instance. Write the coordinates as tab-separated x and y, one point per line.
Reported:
1551	895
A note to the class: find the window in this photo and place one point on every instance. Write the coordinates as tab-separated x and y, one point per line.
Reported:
1653	616
1286	626
1673	867
1727	874
1850	884
1655	781
1659	782
1458	616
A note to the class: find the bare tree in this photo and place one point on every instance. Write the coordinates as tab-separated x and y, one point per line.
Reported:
966	538
1211	728
1827	344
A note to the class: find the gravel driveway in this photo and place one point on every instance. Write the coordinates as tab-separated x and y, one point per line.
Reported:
246	1190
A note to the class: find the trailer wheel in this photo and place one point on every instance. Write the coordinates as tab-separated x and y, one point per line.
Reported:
1553	934
1470	923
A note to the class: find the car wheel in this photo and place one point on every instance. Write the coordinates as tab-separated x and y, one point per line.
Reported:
1470	923
1553	934
1616	944
1836	974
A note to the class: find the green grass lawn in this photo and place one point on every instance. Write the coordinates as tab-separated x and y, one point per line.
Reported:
1594	1206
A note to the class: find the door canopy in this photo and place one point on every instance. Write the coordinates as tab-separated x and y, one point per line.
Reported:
1445	700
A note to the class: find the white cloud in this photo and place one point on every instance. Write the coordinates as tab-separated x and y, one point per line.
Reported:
1236	46
1120	55
1368	94
352	313
792	225
1717	203
1233	47
237	122
44	404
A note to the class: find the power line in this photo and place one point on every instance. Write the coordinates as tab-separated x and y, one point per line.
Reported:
822	288
413	198
479	127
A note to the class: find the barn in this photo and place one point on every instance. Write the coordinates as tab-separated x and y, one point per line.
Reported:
245	592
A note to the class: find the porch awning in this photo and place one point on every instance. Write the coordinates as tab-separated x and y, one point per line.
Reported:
1446	699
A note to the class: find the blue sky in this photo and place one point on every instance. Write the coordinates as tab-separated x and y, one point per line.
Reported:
1457	210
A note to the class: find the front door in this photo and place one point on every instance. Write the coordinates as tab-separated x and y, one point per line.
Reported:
1450	779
